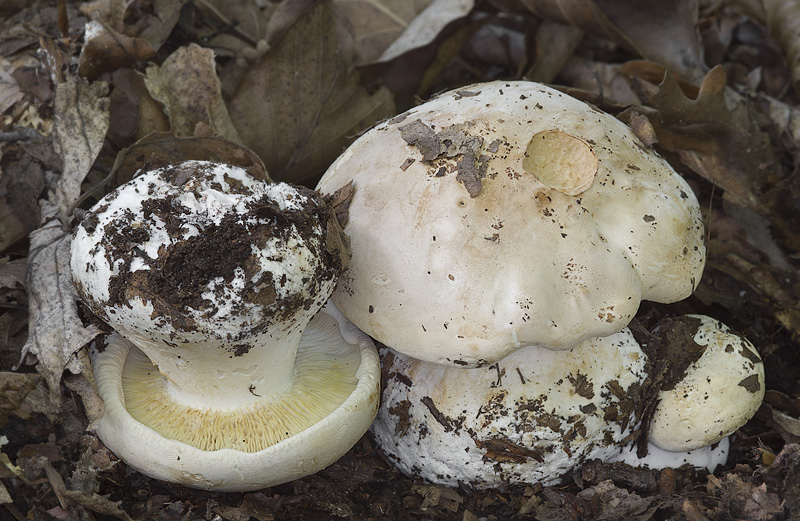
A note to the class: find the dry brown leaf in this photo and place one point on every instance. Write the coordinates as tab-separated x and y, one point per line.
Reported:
153	23
159	24
376	24
81	122
97	503
427	26
107	50
555	44
247	22
164	148
10	93
744	499
55	332
301	105
21	183
663	32
721	143
187	86
133	112
605	81
783	23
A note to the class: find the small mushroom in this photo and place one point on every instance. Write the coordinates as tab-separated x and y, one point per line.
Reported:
716	391
512	216
529	418
222	374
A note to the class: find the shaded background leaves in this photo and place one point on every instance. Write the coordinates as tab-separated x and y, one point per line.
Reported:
281	88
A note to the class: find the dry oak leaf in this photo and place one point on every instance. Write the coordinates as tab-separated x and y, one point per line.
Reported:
302	104
721	143
423	28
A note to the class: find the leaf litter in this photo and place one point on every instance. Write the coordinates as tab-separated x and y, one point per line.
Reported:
83	107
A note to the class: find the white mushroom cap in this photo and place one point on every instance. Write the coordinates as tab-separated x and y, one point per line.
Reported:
509	214
718	392
529	418
214	276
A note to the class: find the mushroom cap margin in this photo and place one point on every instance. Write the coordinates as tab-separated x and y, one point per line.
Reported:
232	470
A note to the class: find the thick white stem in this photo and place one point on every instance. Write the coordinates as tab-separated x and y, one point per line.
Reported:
224	375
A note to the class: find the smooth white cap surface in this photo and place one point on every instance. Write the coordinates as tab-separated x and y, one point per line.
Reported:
719	392
508	214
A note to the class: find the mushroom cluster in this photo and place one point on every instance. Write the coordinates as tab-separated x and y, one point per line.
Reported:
223	373
503	237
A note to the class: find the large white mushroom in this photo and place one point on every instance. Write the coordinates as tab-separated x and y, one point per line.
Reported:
509	214
222	374
509	224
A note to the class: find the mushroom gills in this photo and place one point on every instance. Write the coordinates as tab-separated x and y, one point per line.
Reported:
325	375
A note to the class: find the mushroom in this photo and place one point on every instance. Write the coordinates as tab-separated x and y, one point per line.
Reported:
716	389
508	214
538	414
529	418
222	374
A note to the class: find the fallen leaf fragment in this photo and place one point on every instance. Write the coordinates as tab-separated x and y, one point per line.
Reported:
81	122
163	148
106	50
188	88
301	105
783	23
21	183
10	92
426	26
376	24
14	387
663	32
722	144
56	333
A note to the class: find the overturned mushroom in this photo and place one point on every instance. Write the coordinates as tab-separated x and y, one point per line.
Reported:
508	214
222	375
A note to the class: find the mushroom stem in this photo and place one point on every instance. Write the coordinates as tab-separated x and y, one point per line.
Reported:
217	375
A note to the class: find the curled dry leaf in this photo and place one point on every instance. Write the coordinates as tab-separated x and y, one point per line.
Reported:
189	89
663	32
555	44
10	93
301	105
55	332
107	50
164	148
81	122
